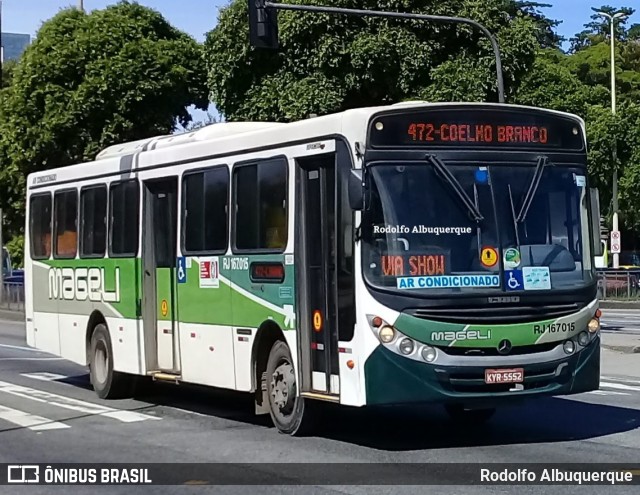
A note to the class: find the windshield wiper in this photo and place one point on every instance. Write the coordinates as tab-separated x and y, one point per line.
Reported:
443	172
513	216
543	161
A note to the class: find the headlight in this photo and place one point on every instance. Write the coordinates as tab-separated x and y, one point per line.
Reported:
428	354
387	334
569	346
406	346
583	338
594	325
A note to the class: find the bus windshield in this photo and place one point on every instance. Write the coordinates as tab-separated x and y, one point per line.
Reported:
476	227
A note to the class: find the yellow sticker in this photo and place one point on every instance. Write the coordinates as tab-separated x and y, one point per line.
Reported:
317	320
489	257
164	307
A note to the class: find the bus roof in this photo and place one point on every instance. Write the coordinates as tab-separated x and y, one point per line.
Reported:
229	136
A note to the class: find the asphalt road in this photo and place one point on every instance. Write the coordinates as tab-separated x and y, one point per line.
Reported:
49	414
621	321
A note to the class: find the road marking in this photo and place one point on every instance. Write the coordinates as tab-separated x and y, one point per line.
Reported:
607	392
73	404
619	386
33	359
621	379
45	376
22	348
31	421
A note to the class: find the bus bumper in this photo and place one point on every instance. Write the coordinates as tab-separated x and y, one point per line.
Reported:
393	379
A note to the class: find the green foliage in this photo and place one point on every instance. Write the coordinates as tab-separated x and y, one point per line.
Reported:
16	250
329	63
7	73
89	81
551	84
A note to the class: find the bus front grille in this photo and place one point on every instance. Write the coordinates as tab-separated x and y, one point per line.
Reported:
493	351
496	315
472	381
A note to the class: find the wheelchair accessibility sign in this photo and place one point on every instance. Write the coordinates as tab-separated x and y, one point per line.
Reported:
182	270
513	280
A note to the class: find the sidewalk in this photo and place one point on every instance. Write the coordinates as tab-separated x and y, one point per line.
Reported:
11	315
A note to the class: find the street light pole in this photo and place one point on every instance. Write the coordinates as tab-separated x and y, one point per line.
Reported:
614	189
81	5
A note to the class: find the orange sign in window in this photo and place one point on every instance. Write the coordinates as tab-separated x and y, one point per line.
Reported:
317	320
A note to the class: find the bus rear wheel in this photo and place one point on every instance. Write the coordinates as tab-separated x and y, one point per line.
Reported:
460	414
289	412
107	383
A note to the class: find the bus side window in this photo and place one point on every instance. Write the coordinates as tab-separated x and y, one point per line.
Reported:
260	191
66	224
40	225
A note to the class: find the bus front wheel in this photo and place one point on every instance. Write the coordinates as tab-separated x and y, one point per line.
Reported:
461	414
107	383
289	412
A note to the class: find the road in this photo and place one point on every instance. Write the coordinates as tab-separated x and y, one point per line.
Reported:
49	414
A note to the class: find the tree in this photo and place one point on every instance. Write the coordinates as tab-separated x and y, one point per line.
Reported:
329	63
7	73
551	84
89	81
599	29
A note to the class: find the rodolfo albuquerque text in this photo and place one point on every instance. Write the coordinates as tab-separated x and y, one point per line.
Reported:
420	229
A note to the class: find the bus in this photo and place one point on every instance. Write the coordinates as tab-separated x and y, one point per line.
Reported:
416	253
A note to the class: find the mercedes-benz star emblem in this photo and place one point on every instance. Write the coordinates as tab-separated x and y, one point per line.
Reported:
504	347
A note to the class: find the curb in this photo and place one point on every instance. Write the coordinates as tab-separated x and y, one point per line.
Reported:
7	314
619	304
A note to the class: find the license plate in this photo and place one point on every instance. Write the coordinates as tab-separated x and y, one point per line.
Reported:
514	375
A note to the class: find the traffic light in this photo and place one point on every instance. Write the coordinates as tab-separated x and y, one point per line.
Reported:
604	230
263	25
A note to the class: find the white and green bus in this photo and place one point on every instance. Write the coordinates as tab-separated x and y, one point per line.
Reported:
406	254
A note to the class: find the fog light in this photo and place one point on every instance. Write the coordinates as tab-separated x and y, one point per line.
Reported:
387	334
583	338
428	354
594	325
569	346
406	346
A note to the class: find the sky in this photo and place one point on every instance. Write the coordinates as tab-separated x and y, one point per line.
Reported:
197	17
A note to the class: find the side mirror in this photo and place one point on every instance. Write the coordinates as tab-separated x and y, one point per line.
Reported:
356	190
594	199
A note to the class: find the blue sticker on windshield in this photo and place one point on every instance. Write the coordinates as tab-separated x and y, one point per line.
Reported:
482	175
448	281
581	180
513	280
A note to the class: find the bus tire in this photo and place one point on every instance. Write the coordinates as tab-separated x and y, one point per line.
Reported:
290	413
106	382
460	414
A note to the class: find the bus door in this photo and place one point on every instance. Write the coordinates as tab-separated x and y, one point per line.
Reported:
316	274
159	274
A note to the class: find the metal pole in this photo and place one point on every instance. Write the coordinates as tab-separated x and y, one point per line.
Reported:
1	260
1	45
399	15
616	256
614	188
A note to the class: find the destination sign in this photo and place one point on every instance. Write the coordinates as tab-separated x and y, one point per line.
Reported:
267	272
480	127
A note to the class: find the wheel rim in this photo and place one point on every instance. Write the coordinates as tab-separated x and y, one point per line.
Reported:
283	389
100	362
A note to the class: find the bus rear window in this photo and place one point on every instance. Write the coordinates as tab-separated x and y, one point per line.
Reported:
40	214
